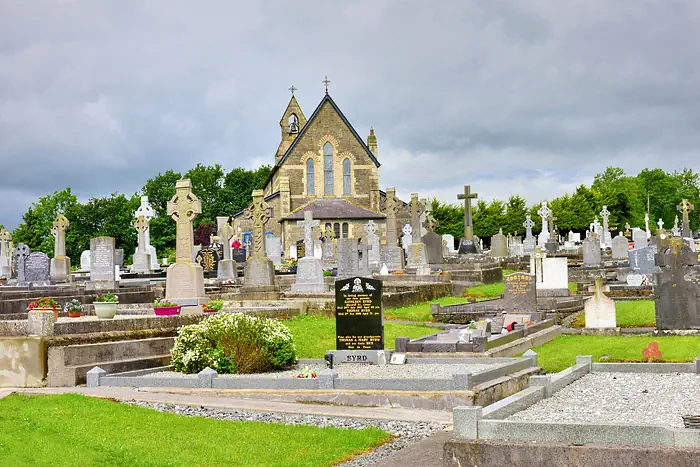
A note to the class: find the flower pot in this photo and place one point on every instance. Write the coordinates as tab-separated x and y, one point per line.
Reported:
105	310
167	311
209	310
74	314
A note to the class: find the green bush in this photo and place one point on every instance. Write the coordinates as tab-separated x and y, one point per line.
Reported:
233	343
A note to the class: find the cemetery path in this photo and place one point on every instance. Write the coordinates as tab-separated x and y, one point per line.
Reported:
425	453
199	397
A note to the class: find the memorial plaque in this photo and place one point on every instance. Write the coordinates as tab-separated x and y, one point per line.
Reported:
36	267
119	257
520	294
239	255
359	317
208	258
392	257
102	259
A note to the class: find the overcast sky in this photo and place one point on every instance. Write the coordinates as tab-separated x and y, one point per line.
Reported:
520	96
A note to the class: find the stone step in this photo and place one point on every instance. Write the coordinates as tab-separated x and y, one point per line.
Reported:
75	375
84	354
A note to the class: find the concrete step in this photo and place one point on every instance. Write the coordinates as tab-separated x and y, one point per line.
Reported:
75	375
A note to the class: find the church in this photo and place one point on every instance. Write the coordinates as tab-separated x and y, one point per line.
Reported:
322	165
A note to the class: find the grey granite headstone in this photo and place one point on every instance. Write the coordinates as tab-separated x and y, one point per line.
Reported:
37	267
620	247
85	260
642	260
19	257
348	257
119	257
273	249
499	245
393	257
102	263
433	247
676	291
591	252
639	237
520	293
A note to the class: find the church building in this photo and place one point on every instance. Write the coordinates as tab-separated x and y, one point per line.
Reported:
322	165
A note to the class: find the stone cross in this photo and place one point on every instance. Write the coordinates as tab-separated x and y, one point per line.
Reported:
5	239
147	211
552	218
141	226
528	224
183	208
660	224
371	227
391	207
605	214
416	211
646	224
225	233
20	254
259	212
676	231
308	223
468	196
544	212
60	225
407	230
685	208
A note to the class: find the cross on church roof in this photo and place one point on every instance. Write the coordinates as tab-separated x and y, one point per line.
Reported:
326	82
292	89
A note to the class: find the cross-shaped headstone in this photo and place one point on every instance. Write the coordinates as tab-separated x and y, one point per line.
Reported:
416	211
183	207
371	227
308	224
259	212
544	212
407	230
468	196
20	254
685	208
660	224
391	207
141	226
5	239
605	214
60	225
528	224
676	231
225	233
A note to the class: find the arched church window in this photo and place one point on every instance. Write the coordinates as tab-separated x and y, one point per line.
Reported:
293	124
346	230
328	169
310	190
336	230
347	186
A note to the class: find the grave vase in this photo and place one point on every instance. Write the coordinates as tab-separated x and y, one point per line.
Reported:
106	310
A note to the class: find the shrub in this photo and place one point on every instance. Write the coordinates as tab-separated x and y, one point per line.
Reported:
108	297
233	343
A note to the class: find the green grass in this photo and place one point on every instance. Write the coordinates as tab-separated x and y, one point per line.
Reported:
631	314
485	291
420	311
73	430
313	335
561	352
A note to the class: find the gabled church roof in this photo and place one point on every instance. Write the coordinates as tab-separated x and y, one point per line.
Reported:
329	99
333	208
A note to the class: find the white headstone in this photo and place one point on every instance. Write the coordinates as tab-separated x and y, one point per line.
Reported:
85	260
273	249
544	212
600	310
147	211
407	237
639	237
373	243
555	274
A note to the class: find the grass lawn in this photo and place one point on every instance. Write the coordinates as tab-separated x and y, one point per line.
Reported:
313	335
632	314
561	352
420	311
73	430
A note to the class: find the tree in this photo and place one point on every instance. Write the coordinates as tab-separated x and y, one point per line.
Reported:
450	218
207	184
160	189
516	210
488	218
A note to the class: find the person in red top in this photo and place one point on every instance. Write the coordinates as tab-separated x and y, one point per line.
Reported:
236	244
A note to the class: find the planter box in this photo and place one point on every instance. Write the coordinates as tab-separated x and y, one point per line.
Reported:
167	311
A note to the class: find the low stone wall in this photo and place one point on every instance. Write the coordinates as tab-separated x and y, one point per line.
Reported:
22	362
411	294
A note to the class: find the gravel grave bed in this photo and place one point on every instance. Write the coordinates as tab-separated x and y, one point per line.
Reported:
406	433
622	398
361	371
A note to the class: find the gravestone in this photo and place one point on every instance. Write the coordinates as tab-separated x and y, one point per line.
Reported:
309	277
328	254
555	276
363	259
639	237
19	258
450	239
359	316
184	282
273	248
606	237
467	245
499	246
348	257
599	309
551	246
373	243
37	268
433	247
393	258
142	256
685	207
239	255
102	264
643	260
85	260
592	257
60	269
407	237
5	253
147	211
520	293
227	268
119	257
392	255
259	269
208	258
620	247
544	212
529	242
676	291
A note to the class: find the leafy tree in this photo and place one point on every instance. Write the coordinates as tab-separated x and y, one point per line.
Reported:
488	218
35	230
450	217
160	189
207	184
516	210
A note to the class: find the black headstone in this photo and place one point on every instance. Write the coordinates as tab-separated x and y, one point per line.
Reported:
239	255
208	258
466	247
359	317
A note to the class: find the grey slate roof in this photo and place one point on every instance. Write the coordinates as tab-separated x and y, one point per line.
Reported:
333	208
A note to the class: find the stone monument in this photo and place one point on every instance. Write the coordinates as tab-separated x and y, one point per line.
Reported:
102	275
520	293
142	256
544	212
5	261
259	270
620	247
592	257
60	263
19	257
529	242
147	211
309	276
432	241
467	244
599	309
227	269
373	244
185	279
359	315
606	238
677	289
685	208
392	254
417	256
499	247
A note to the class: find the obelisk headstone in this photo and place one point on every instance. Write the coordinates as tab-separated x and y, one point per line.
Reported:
185	279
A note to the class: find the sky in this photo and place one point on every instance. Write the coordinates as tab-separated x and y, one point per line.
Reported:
512	97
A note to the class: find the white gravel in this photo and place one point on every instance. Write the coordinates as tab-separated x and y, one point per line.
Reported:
638	398
407	433
362	371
